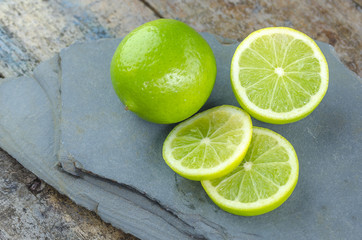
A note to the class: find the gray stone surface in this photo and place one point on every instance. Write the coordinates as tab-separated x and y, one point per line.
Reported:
143	196
27	130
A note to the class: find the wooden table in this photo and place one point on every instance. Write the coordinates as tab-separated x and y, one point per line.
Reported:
33	30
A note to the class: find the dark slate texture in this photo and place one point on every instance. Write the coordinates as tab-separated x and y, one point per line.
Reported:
68	119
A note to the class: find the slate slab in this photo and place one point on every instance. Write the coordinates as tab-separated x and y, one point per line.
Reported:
28	132
117	162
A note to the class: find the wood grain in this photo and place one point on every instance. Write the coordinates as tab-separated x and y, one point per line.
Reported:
335	22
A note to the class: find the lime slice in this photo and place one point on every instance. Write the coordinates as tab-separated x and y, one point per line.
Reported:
262	182
279	75
210	144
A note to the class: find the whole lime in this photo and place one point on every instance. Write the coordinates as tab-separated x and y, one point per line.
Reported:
163	71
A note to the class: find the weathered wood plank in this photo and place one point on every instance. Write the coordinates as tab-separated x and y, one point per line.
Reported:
336	22
14	58
118	17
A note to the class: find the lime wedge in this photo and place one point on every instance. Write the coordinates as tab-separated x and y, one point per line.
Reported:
279	75
210	144
262	182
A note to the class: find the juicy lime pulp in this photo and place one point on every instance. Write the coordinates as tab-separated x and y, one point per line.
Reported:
210	144
262	182
279	75
163	71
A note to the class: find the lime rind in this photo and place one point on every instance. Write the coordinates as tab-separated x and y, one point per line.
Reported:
260	206
205	167
163	71
268	115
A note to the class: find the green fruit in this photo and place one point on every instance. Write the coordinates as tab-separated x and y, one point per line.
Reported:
163	71
210	144
263	181
279	75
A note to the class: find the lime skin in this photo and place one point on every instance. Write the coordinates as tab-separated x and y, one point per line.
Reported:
163	71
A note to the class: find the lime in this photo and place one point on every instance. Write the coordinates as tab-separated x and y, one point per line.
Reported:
279	75
163	71
210	144
262	182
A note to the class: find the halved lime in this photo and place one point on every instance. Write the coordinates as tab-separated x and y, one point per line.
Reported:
262	182
210	144
279	75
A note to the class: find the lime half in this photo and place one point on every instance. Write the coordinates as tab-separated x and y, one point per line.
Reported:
262	182
210	144
279	75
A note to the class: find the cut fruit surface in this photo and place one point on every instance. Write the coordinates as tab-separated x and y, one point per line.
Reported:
262	182
209	144
279	75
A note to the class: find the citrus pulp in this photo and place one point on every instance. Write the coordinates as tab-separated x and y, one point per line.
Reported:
279	75
262	182
209	144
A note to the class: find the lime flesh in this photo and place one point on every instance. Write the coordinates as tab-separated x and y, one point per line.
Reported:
210	144
262	182
279	75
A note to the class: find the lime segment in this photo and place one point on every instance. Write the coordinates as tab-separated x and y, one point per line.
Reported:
210	144
262	182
